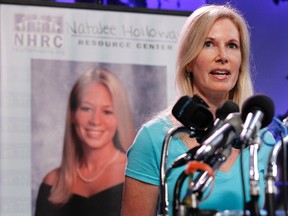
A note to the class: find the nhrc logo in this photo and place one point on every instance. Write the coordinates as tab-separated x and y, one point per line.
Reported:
38	31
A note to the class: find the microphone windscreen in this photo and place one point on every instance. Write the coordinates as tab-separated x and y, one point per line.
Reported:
192	114
261	103
227	107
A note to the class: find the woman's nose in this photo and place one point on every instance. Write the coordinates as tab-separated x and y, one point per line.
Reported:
95	118
222	55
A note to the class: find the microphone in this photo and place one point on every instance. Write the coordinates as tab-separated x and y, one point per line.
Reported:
192	112
257	113
231	128
221	113
184	158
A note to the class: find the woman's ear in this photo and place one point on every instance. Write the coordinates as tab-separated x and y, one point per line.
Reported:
189	67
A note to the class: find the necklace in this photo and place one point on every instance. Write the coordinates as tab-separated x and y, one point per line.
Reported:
99	173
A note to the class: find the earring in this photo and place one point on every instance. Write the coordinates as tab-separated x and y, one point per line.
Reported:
189	74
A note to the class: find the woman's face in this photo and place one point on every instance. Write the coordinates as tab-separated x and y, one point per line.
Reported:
216	68
95	119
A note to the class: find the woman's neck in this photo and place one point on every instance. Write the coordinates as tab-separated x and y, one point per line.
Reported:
94	158
214	100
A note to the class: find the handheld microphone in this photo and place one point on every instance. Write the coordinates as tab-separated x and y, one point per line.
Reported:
231	128
257	113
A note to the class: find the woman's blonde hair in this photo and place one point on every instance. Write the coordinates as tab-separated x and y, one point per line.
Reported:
72	150
192	39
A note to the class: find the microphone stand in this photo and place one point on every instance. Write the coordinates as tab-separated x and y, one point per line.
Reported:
271	176
190	204
254	177
163	166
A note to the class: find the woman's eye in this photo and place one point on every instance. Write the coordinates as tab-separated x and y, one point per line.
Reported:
108	112
233	46
208	44
85	109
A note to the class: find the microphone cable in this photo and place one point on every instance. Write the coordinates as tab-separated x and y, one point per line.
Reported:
246	206
284	169
257	113
242	147
279	130
163	166
191	169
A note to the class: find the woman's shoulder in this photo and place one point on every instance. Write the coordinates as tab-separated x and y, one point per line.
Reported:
51	176
159	121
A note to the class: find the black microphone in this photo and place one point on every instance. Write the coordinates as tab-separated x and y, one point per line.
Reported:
231	128
257	113
184	158
221	113
192	113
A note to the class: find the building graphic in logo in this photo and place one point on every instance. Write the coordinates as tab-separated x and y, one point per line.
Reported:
38	31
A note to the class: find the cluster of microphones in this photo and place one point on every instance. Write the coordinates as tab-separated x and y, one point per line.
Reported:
229	128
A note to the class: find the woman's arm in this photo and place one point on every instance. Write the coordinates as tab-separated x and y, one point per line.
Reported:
140	198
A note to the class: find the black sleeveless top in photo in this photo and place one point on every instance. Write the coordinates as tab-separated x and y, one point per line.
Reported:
106	203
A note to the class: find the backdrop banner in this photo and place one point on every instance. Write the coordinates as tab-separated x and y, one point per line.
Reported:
43	51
